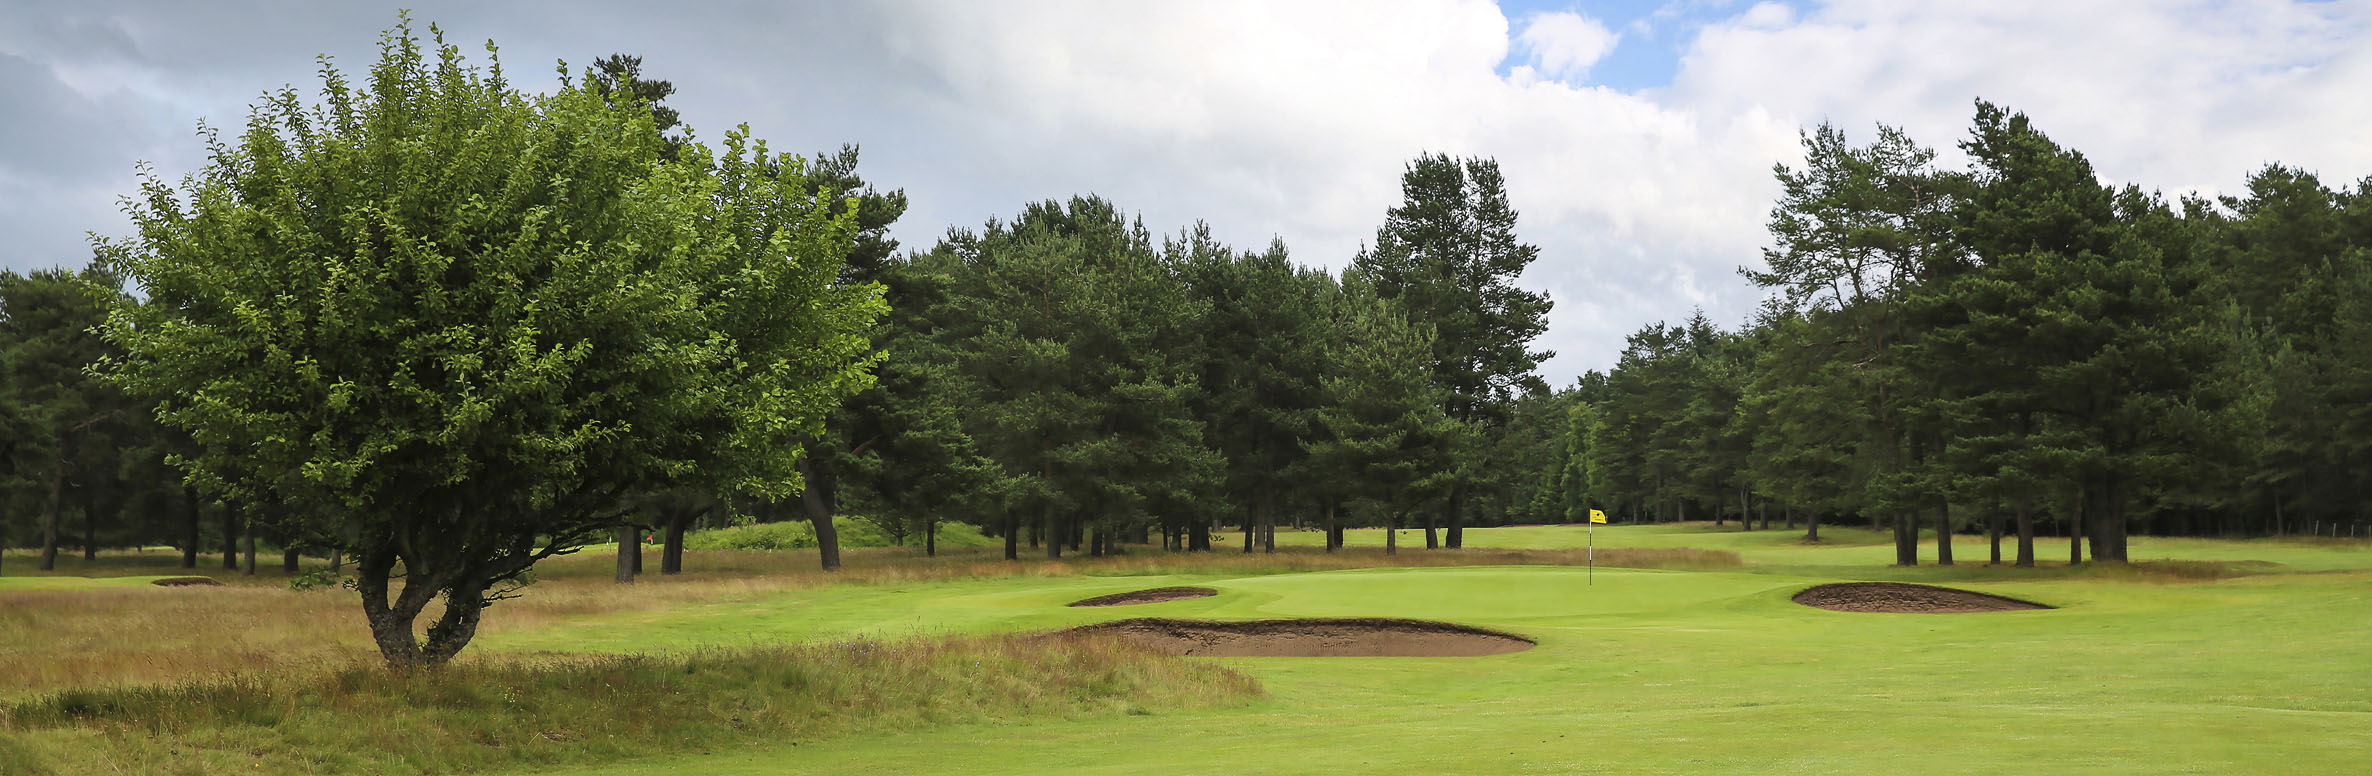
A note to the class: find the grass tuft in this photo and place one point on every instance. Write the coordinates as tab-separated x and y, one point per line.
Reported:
550	709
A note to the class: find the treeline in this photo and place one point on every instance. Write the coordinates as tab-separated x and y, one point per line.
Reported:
1069	381
2017	348
1065	380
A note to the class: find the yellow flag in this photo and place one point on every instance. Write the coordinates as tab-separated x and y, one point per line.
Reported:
1597	517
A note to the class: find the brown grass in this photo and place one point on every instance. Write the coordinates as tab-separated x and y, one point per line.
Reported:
51	640
573	709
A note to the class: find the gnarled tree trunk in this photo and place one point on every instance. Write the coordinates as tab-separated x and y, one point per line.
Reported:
392	621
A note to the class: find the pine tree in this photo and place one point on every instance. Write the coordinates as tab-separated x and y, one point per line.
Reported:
1448	253
1384	425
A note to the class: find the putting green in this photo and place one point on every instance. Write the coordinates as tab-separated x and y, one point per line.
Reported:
1644	672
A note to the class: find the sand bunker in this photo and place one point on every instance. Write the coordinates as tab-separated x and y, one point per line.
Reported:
1364	637
1900	597
1149	596
185	581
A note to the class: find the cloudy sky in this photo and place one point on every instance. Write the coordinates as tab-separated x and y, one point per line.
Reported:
1637	135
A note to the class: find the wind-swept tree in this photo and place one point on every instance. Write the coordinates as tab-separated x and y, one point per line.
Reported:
467	323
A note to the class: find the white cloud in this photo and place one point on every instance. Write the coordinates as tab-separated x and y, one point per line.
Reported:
1563	44
1294	119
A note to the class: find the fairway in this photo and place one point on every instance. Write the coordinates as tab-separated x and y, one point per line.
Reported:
1648	671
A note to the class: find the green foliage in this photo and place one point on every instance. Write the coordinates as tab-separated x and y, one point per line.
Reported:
2016	339
67	439
1065	315
514	313
1386	438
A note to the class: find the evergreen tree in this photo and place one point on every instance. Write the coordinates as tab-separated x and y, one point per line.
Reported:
1385	430
1448	253
1066	315
70	422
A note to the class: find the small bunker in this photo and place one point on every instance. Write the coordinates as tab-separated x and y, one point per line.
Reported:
1148	596
1906	598
186	582
1360	637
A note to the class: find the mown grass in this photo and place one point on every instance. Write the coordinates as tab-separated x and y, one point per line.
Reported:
553	710
2137	672
1672	672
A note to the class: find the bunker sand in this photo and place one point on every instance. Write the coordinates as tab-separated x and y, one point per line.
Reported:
1147	596
1360	637
1898	597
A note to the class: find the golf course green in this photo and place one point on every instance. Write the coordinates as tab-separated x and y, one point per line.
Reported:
2233	657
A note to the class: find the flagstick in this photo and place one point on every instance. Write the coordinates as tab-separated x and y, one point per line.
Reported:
1593	574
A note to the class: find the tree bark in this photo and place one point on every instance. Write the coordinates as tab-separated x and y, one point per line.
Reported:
1906	538
821	500
2108	532
1268	523
1432	539
1993	534
1392	536
230	535
1745	515
671	556
1333	531
2075	530
1012	536
1054	536
1943	533
189	543
628	548
1456	535
49	522
930	539
463	591
2025	534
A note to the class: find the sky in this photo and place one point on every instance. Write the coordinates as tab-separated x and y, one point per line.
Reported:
1637	137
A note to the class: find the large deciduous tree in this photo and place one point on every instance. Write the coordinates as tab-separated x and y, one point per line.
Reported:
467	323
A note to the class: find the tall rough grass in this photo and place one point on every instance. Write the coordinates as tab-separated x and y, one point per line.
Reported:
559	710
60	639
